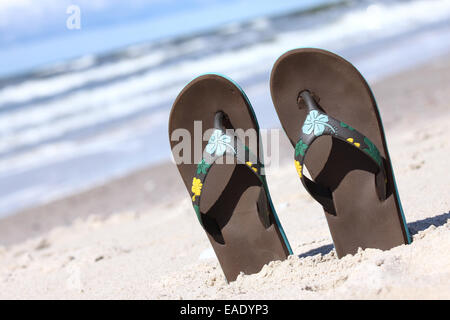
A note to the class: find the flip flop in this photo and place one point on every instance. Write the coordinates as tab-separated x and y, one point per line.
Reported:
231	200
331	118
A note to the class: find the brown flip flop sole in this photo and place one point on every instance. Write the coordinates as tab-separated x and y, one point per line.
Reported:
330	115
235	208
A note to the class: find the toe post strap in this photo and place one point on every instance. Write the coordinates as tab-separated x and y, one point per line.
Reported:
318	123
220	145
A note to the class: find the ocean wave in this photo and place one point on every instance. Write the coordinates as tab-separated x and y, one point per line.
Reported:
359	24
112	100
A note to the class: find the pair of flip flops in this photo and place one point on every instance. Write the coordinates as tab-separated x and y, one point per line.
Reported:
331	118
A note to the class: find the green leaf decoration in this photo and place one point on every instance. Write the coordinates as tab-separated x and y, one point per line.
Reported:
372	151
300	148
202	167
344	125
197	209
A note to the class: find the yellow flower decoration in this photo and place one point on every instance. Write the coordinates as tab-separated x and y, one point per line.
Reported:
251	166
298	166
196	187
357	144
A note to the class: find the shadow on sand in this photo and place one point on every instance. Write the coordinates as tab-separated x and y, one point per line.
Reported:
323	250
414	228
420	225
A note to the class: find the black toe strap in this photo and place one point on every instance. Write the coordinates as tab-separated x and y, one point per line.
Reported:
220	145
318	123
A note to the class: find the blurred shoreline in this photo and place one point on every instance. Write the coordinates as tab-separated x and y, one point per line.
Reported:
402	99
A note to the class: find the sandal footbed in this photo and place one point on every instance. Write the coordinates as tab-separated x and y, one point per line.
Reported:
361	219
231	192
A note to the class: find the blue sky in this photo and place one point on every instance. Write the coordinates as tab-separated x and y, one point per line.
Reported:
34	33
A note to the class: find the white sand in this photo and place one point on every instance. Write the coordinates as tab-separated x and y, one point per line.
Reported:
163	252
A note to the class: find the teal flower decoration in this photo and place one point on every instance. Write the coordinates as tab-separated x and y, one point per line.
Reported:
202	167
316	122
344	125
300	148
372	151
218	143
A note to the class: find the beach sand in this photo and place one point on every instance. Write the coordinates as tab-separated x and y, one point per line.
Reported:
138	237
